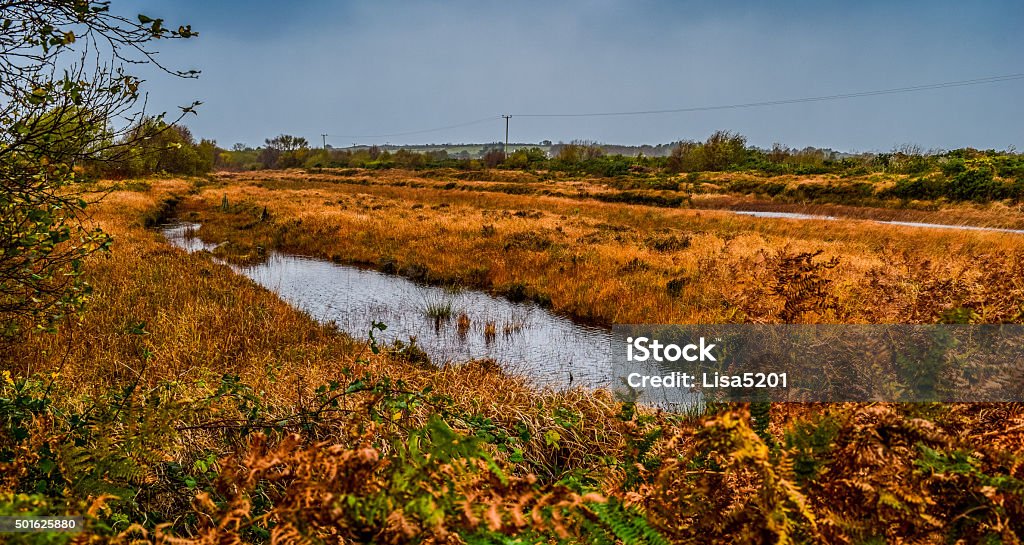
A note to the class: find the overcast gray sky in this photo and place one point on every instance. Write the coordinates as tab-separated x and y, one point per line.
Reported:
383	67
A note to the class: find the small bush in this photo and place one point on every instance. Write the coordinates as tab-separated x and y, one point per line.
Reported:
976	184
644	198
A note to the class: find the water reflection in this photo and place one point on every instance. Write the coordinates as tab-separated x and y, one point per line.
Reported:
449	325
798	216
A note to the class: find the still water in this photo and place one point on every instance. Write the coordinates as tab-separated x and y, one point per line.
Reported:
797	216
550	350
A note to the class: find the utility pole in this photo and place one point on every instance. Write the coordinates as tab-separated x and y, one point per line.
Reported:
325	141
505	149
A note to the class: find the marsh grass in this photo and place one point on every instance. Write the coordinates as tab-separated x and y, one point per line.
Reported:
242	415
605	263
202	321
511	327
438	308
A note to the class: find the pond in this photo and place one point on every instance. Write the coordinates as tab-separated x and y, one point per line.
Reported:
450	325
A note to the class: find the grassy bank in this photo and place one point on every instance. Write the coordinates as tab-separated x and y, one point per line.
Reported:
622	263
178	361
187	402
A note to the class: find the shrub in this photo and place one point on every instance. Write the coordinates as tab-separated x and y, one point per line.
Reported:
722	150
526	158
644	198
976	184
917	189
493	158
569	156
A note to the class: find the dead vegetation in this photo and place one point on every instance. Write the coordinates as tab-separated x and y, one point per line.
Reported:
688	265
188	406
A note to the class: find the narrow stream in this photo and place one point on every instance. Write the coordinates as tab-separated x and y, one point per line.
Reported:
798	216
524	338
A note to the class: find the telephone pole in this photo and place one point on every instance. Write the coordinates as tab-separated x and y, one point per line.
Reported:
505	149
325	141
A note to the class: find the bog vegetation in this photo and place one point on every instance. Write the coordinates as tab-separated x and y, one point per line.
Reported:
956	175
188	405
168	400
903	175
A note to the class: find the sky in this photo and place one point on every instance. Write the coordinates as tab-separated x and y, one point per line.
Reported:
362	71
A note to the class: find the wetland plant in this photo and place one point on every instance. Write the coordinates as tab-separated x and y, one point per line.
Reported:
511	327
439	309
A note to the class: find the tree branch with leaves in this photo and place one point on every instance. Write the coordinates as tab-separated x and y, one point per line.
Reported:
67	99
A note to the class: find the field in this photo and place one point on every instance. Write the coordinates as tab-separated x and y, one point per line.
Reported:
618	262
189	398
760	279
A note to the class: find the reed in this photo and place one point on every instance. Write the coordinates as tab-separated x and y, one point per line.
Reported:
185	346
622	263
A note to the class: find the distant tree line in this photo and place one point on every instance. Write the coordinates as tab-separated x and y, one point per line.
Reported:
959	175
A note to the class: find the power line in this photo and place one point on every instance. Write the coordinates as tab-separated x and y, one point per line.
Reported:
823	98
897	90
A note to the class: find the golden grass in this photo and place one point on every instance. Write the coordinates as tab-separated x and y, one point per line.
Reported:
620	263
203	321
714	478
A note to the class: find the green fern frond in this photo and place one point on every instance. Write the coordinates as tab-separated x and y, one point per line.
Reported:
628	525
